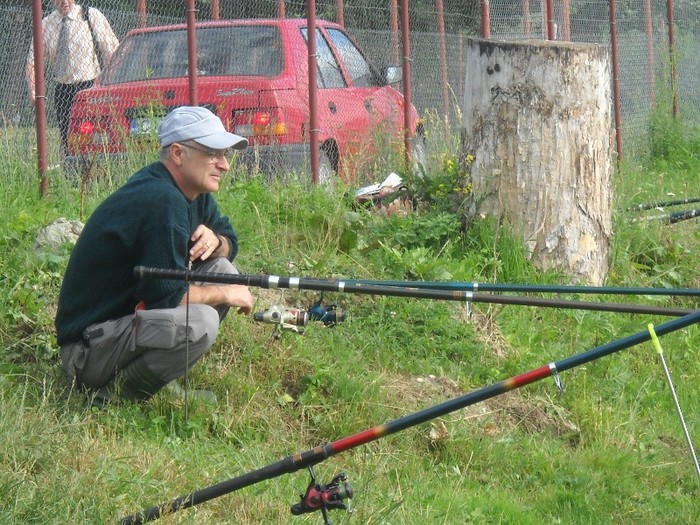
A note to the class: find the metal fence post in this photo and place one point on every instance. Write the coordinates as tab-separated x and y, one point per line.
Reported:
672	53
616	80
408	133
192	51
40	97
313	109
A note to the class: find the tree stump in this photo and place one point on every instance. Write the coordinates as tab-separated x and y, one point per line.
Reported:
537	123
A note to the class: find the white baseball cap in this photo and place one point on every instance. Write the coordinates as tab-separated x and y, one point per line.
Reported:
198	124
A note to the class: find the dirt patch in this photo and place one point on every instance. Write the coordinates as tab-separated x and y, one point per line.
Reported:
533	415
487	330
498	415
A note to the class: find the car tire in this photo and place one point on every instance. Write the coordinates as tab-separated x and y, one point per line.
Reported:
419	156
326	171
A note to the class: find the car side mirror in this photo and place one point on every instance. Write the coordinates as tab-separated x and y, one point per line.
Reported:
392	74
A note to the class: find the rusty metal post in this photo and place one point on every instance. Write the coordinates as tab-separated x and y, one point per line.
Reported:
460	67
566	15
40	97
527	26
313	87
407	131
551	32
616	80
672	53
340	12
141	18
394	15
443	65
281	13
192	51
648	27
485	19
215	11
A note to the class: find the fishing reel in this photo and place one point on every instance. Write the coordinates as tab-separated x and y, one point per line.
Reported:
283	318
324	497
295	319
329	315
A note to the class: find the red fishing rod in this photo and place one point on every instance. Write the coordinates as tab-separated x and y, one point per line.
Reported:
323	497
358	287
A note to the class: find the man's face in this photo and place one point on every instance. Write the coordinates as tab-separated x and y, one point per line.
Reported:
63	6
201	168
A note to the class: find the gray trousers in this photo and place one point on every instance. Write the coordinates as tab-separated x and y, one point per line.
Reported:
169	340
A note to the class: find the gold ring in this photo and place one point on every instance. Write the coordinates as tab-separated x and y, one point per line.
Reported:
206	244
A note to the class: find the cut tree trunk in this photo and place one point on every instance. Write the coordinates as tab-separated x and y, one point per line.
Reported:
537	124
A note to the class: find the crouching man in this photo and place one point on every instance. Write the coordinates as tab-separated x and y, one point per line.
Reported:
120	335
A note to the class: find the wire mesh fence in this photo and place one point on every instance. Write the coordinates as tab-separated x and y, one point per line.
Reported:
438	30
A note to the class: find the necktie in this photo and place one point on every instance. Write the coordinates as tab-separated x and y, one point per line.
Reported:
61	66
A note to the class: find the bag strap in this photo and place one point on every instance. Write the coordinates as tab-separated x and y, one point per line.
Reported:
98	53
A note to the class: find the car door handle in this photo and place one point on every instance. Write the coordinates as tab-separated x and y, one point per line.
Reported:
331	107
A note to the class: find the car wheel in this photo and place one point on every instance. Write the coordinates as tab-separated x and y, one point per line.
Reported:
326	171
419	157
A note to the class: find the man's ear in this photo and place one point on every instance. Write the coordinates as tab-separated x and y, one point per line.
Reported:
176	153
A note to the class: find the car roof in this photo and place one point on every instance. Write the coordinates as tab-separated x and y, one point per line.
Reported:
291	22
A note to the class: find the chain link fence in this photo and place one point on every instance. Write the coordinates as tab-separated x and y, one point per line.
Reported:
438	33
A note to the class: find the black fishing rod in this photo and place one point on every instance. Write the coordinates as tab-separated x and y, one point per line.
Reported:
683	215
530	288
641	207
322	452
332	285
673	218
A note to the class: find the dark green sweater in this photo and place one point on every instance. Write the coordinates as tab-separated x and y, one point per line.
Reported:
148	222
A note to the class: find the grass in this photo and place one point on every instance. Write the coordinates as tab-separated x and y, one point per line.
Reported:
608	449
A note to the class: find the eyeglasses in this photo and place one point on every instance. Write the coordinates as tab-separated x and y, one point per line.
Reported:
213	155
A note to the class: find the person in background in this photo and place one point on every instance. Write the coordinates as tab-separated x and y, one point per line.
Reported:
78	43
129	337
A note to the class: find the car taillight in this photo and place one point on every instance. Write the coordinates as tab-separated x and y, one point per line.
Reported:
88	132
263	126
86	127
261	120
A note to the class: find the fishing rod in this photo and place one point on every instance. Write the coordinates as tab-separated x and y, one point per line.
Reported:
322	452
529	288
683	215
641	207
673	218
333	285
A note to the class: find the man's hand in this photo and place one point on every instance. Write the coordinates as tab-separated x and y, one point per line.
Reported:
238	296
206	243
231	295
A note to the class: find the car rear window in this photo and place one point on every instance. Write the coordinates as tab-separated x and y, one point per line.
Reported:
221	51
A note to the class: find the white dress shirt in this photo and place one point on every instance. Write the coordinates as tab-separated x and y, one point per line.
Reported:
83	63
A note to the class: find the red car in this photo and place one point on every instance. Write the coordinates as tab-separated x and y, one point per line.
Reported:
254	75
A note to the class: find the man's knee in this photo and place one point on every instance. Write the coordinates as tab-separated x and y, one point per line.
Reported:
199	329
